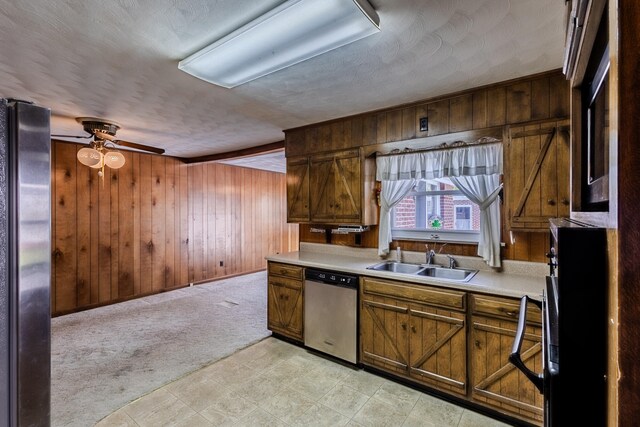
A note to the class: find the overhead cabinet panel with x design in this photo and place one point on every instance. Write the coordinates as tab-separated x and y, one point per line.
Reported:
335	187
537	174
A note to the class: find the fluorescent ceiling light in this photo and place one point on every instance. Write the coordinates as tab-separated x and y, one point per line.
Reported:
292	32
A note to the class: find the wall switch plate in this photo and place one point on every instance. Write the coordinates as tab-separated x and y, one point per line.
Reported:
424	124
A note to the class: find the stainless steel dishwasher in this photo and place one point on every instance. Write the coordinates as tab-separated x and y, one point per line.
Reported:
330	313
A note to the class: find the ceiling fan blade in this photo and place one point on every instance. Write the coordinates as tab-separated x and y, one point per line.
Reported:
105	136
115	140
138	146
71	136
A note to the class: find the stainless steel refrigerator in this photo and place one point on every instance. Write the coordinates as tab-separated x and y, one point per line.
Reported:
25	264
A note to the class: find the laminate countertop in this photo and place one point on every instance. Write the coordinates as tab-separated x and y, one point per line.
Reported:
508	284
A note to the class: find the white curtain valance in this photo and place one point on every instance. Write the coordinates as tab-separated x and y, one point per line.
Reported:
483	159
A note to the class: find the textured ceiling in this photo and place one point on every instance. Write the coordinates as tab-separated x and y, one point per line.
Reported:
118	60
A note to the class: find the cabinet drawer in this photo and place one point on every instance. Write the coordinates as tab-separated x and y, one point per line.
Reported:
285	282
417	293
505	308
285	270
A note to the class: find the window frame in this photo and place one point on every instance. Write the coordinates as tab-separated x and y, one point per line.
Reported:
430	235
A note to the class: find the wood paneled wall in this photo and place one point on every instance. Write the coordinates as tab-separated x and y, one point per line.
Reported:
157	224
532	98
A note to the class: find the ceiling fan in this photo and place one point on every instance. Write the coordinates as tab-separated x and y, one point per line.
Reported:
101	151
104	131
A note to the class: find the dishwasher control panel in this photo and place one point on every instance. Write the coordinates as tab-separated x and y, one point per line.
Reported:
331	277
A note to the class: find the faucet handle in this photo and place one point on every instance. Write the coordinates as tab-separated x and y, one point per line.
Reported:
452	261
442	246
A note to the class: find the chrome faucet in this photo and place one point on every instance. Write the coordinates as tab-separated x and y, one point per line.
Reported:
452	261
431	253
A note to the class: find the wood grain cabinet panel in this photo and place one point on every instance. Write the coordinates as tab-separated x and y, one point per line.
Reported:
331	188
298	189
537	174
496	383
424	343
285	300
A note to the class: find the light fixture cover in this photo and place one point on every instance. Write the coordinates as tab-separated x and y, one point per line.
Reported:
293	32
90	157
114	159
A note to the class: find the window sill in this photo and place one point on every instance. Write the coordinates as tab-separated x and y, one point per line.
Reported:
461	237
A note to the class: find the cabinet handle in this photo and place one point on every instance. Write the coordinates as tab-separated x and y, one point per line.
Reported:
404	326
511	313
565	202
413	329
283	271
477	343
551	202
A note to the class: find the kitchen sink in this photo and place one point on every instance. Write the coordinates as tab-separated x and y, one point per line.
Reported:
424	270
458	274
397	267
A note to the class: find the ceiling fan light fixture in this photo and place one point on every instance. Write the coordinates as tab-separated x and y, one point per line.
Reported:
293	32
114	159
90	157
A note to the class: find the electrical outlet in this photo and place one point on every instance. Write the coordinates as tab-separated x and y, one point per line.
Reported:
424	124
221	263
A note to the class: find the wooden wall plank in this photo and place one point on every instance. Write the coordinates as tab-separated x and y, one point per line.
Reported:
409	126
169	223
213	227
480	109
518	100
124	231
496	106
146	237
94	190
114	222
438	114
83	229
558	97
461	113
135	201
65	246
104	236
394	125
540	98
185	243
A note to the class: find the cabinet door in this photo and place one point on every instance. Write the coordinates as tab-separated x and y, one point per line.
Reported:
285	307
298	189
384	324
337	187
496	382
537	174
438	348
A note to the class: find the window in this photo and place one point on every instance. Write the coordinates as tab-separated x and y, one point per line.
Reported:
436	210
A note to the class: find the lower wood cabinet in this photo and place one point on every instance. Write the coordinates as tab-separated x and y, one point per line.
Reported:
416	332
285	300
496	383
421	334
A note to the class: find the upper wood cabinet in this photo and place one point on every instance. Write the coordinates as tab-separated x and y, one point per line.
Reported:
331	188
536	174
298	189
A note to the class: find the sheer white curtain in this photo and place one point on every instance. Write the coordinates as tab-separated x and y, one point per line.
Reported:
475	169
483	190
390	195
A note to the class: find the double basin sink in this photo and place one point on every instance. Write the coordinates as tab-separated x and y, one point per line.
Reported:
425	270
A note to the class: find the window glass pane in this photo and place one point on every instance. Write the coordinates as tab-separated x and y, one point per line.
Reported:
436	205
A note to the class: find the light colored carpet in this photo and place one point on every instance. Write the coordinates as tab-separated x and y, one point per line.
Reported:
104	358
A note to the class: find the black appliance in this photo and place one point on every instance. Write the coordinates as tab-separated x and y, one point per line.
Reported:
574	316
